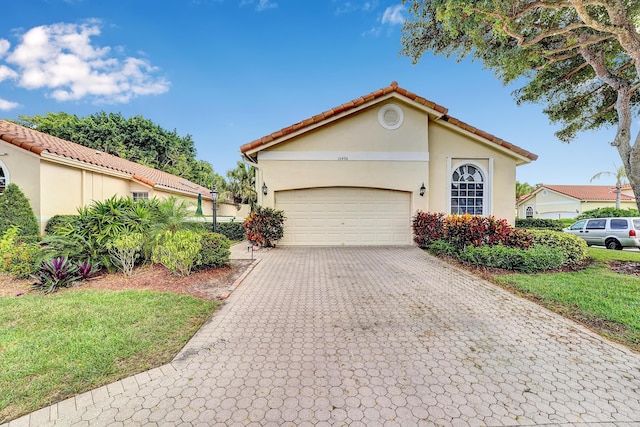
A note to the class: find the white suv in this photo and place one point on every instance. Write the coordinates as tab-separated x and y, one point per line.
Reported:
614	233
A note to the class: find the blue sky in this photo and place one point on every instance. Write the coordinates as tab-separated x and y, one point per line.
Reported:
230	71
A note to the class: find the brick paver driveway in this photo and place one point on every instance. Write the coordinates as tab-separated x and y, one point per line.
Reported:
373	336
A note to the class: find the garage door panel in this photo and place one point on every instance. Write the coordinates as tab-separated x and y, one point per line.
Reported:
345	216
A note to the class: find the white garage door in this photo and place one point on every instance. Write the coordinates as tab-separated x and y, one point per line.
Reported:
345	216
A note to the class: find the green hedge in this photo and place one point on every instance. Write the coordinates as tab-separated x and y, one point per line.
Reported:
573	247
232	230
608	213
539	223
215	251
536	258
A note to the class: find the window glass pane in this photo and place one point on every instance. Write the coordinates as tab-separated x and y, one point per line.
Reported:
619	224
596	224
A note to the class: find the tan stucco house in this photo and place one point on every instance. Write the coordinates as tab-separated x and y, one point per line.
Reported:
355	174
569	201
59	176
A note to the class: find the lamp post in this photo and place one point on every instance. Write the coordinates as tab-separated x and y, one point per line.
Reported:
214	198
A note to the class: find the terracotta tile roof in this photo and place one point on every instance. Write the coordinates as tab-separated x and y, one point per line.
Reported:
38	143
586	192
393	87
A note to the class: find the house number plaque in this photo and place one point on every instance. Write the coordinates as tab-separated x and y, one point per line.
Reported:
343	158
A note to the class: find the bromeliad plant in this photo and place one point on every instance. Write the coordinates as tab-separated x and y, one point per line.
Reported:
58	273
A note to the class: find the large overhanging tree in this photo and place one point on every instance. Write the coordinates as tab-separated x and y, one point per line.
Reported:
580	58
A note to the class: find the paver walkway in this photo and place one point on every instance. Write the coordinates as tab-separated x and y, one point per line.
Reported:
373	336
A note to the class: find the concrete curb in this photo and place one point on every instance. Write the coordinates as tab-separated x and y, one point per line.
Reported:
239	280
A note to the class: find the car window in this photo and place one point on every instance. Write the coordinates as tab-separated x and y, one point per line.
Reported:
577	226
619	224
636	224
596	224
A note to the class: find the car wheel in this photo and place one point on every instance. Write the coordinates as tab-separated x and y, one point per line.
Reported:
614	244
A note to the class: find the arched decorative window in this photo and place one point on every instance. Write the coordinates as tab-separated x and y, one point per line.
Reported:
468	190
529	212
4	178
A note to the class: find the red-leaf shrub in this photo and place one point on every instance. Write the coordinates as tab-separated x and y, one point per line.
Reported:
264	226
461	231
427	228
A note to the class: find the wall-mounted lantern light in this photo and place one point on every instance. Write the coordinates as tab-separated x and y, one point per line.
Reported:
422	189
264	189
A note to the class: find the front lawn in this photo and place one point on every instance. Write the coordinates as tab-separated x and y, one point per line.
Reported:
53	347
607	301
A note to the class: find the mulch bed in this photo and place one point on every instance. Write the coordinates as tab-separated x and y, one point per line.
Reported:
206	284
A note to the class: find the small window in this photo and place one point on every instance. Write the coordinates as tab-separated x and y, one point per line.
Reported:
529	212
140	195
578	225
619	224
596	224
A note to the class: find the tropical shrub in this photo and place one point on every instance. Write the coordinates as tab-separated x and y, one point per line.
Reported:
232	230
264	226
87	235
536	258
15	209
58	220
215	251
461	231
573	247
428	227
86	270
442	248
54	274
540	223
608	213
466	230
124	251
178	251
17	257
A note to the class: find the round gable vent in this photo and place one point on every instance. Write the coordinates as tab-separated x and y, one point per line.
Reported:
390	116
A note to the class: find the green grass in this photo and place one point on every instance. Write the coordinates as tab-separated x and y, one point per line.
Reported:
608	302
53	347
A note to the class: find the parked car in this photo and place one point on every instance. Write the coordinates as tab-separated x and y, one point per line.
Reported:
614	233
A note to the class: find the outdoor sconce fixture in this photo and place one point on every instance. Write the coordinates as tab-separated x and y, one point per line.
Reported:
214	198
264	188
422	189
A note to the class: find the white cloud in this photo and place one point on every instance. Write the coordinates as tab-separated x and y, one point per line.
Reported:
61	58
260	5
7	73
4	47
350	7
266	4
372	32
7	105
393	15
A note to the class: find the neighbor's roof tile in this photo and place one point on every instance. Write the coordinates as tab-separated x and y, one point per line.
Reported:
588	192
393	87
38	142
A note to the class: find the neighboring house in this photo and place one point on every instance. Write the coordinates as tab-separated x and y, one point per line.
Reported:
59	176
568	201
355	174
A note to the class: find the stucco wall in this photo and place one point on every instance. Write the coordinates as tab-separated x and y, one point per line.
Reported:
335	155
346	154
449	148
24	170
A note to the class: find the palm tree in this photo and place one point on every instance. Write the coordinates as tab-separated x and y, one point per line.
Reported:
522	189
620	174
